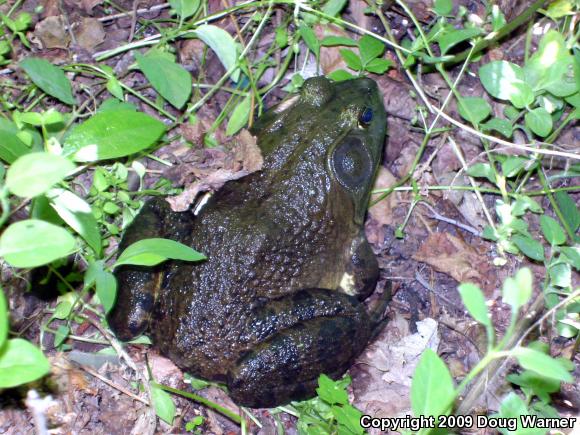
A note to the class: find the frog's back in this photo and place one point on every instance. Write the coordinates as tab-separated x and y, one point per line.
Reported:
263	238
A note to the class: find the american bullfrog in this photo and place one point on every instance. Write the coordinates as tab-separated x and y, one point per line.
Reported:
278	301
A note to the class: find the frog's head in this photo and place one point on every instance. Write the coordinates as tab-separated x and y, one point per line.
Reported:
354	157
338	128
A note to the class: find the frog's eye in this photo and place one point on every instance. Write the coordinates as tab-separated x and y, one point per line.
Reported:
365	117
352	163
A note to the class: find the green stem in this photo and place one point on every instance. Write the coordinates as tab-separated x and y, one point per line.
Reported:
5	203
224	411
557	210
493	38
407	177
471	189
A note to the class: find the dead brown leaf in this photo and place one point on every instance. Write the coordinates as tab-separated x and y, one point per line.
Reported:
90	33
451	255
246	159
330	58
388	367
89	5
164	370
193	133
52	32
381	214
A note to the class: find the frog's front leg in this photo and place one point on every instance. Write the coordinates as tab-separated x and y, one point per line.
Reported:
137	287
299	336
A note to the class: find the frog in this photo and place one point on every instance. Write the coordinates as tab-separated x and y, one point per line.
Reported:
280	298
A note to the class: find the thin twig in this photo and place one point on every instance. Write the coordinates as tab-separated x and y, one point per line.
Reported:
113	385
459	156
37	407
454	222
138	12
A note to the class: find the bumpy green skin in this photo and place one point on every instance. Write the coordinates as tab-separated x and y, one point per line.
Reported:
268	311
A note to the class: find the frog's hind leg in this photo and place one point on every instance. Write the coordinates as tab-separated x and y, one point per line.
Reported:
137	287
312	332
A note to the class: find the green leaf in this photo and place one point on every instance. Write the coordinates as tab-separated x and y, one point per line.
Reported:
474	301
12	147
351	59
282	37
168	78
112	104
35	173
474	109
569	210
333	7
531	248
573	254
149	252
62	332
517	290
339	75
552	230
378	66
49	78
512	407
195	422
78	215
64	306
3	318
21	362
502	126
497	18
370	48
31	243
115	88
185	8
540	385
222	44
480	170
512	166
443	7
561	275
432	391
501	78
539	121
349	417
539	362
106	287
522	95
559	8
524	203
240	116
331	391
310	39
332	41
112	134
163	403
551	67
449	39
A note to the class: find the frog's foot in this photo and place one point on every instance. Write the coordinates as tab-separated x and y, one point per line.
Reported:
329	330
138	286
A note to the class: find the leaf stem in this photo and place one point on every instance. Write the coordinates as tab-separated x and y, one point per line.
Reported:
224	411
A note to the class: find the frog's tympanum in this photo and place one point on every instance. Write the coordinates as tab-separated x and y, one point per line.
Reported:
278	301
